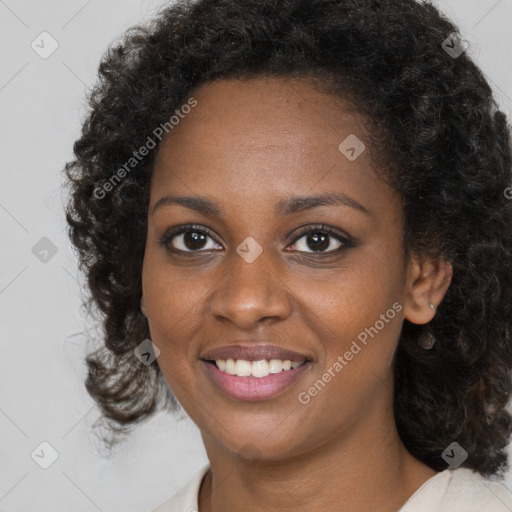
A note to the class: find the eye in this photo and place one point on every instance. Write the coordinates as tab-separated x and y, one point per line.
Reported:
321	239
193	238
189	238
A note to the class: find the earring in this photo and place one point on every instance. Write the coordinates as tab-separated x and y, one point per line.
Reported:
426	339
432	306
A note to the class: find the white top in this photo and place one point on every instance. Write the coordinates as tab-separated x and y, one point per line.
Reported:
451	490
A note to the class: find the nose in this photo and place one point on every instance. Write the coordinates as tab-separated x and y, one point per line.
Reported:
250	292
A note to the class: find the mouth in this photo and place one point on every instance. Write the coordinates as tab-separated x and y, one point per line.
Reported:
255	380
254	370
258	369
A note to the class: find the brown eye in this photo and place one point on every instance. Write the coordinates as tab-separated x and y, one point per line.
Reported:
317	242
321	240
189	239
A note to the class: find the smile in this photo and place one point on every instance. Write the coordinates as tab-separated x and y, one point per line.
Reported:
254	380
259	369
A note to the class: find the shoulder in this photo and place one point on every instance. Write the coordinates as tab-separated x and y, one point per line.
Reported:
185	500
460	490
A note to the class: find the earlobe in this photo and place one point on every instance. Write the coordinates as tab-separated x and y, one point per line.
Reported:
142	306
427	283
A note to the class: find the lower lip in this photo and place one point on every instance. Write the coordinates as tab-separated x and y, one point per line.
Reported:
254	388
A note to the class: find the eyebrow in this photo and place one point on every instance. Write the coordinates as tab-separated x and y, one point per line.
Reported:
284	207
298	204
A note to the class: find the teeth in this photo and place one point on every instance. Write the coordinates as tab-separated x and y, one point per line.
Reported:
230	367
262	368
243	368
259	368
276	365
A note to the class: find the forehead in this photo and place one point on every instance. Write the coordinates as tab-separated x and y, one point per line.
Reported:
261	138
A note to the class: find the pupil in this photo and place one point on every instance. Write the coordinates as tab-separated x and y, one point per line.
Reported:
314	239
194	240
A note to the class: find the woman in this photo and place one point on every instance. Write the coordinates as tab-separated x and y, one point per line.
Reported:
293	215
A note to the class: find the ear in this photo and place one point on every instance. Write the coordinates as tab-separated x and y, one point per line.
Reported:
427	282
142	306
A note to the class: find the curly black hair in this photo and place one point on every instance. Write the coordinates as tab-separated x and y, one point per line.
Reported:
436	130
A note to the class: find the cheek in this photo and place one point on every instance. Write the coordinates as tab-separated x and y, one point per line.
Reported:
356	316
173	305
351	297
170	291
173	315
357	320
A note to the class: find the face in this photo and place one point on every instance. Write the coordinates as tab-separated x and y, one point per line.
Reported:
262	266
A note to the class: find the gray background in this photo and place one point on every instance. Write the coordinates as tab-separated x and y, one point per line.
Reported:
42	397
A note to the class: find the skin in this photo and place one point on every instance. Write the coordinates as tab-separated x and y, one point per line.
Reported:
246	146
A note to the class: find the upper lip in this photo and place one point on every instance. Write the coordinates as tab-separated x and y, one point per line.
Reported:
253	353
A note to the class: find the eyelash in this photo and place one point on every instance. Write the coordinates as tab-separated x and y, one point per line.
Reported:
320	228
